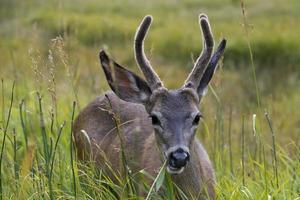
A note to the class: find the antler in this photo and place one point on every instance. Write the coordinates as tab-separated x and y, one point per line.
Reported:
151	77
196	74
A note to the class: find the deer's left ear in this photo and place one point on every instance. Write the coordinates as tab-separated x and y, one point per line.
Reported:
211	68
126	85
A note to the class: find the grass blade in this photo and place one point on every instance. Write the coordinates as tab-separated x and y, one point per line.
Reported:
71	150
4	136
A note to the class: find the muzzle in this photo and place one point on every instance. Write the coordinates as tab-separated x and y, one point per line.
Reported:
177	159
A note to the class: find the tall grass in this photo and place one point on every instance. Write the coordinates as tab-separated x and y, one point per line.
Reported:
246	28
250	180
4	130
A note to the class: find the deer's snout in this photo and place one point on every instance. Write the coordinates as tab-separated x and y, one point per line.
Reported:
178	158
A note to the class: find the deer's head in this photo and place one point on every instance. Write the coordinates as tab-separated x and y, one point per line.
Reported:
175	114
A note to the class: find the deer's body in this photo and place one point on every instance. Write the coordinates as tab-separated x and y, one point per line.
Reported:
155	125
139	143
97	120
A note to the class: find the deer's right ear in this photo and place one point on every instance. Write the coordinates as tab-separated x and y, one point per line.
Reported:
125	84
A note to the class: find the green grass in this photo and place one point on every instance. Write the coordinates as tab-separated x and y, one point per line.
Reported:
254	157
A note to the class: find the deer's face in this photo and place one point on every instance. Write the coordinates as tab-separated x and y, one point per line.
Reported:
175	118
175	115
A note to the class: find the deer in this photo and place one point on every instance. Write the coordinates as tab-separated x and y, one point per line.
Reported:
158	125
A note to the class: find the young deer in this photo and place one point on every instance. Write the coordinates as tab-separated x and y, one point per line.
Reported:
156	124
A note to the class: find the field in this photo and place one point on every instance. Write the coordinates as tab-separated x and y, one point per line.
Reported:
50	70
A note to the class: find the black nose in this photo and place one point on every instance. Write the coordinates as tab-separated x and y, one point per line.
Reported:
179	158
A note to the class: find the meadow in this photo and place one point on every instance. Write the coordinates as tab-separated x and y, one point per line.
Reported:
50	70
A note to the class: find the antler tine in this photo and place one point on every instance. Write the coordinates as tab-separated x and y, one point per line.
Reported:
151	77
200	65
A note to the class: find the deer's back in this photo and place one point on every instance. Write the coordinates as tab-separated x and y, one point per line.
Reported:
99	120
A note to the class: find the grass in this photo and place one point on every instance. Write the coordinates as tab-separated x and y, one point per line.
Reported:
50	49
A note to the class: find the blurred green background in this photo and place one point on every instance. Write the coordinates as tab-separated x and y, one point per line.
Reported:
42	41
174	41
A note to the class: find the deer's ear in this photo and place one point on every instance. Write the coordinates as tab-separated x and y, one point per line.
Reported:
210	70
125	84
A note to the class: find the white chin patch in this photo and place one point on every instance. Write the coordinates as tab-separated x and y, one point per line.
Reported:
172	170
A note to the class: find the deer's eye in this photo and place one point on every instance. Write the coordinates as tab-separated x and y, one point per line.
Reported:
155	120
196	119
